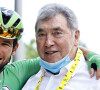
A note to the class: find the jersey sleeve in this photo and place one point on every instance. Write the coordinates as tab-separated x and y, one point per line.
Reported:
25	69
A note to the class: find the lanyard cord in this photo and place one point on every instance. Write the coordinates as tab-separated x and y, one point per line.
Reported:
69	74
39	82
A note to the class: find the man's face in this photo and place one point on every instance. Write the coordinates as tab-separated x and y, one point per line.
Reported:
54	38
6	46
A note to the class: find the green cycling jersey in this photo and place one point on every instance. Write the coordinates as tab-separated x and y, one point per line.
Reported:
16	74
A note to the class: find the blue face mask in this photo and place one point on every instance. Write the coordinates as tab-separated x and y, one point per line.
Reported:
55	67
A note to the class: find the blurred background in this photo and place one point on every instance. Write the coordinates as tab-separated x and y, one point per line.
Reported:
87	12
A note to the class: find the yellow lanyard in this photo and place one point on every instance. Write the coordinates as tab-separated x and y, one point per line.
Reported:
69	73
39	82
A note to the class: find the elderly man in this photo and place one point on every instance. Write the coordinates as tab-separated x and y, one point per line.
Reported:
63	66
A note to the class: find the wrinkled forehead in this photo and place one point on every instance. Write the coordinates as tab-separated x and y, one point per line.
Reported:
45	19
54	22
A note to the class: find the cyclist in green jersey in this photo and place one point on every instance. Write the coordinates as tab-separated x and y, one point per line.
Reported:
13	76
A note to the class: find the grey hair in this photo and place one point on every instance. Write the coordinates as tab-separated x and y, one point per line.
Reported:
51	10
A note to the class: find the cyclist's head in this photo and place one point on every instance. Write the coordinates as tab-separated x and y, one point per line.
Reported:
10	32
10	24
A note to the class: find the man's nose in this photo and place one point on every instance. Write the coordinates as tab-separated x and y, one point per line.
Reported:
49	41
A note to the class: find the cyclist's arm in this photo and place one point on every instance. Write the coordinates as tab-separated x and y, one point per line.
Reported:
92	58
25	69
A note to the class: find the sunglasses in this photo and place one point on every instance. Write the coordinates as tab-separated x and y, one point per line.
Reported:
10	32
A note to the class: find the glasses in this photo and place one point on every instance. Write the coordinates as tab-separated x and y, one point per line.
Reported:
10	32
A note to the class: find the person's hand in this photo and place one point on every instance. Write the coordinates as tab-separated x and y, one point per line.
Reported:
93	58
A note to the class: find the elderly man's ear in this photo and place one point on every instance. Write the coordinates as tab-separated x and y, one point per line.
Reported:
15	49
77	35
